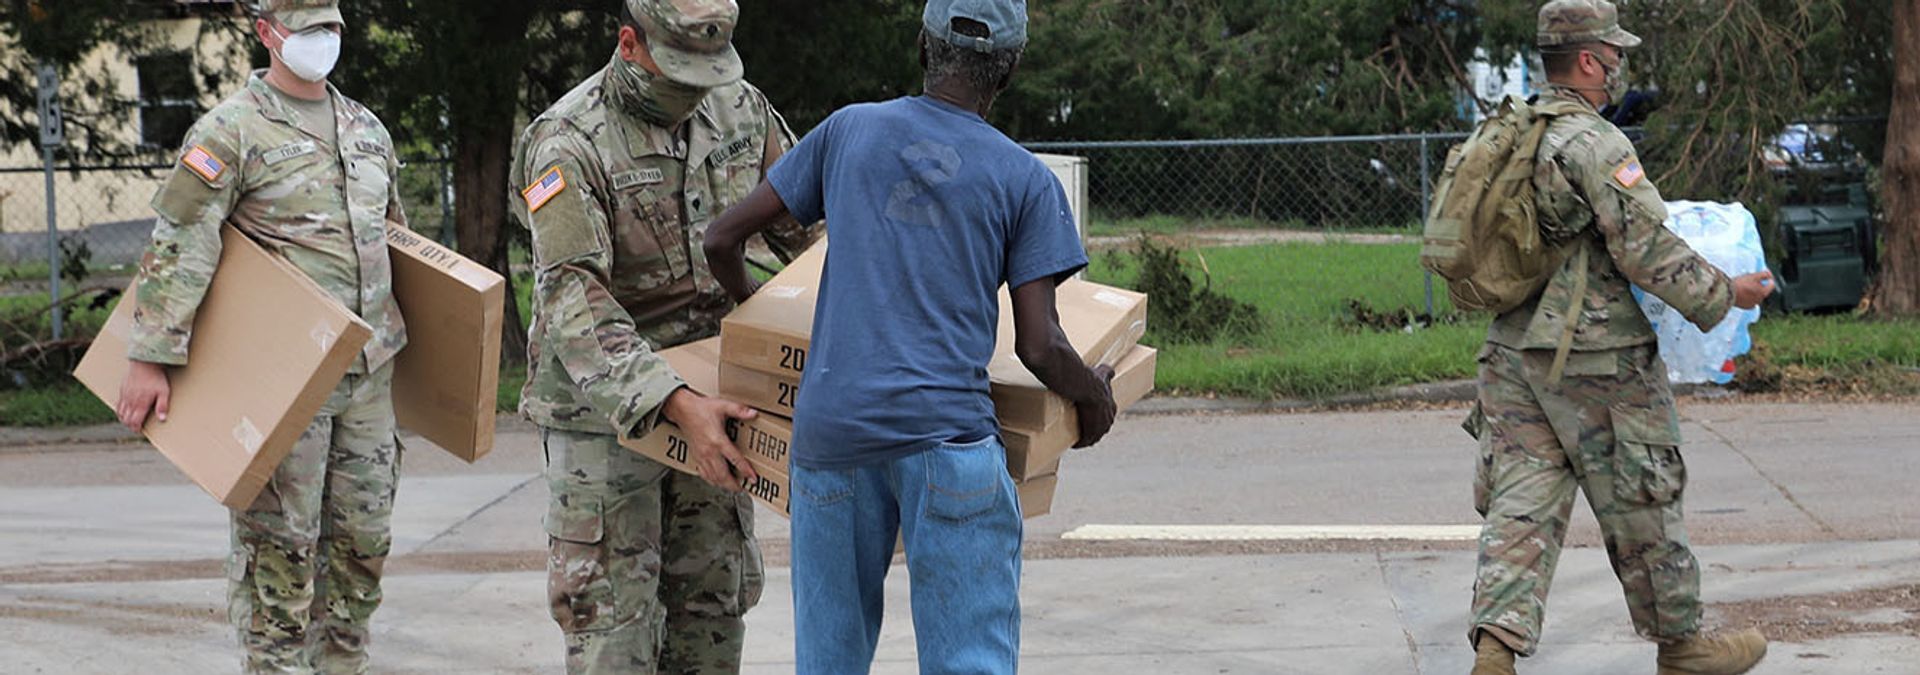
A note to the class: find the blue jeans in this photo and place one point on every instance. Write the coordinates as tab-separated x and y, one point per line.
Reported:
956	509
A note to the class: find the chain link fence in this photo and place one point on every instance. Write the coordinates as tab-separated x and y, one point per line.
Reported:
1325	183
105	222
1345	184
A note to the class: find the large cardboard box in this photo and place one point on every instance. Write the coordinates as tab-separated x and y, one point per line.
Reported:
1034	453
770	331
763	440
268	348
775	393
1029	452
1102	322
447	381
764	342
667	445
1036	495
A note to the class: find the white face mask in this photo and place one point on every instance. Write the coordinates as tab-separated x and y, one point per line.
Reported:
310	53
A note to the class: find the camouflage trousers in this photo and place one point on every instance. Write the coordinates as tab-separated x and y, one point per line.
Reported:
649	570
307	554
1609	429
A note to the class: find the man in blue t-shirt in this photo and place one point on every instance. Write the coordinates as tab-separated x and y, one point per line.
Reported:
929	210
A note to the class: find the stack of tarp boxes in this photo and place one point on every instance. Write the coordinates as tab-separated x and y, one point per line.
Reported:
762	352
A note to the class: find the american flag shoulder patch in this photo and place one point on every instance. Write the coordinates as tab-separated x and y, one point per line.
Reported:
542	191
1629	174
203	164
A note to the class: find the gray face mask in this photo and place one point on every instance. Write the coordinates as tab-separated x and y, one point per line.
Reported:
650	97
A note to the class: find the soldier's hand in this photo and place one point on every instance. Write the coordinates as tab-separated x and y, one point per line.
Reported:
1750	289
145	391
1096	416
704	420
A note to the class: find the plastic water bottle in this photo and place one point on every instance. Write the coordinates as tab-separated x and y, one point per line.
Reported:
1726	235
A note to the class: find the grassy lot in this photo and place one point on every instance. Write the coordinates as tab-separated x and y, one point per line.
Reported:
1309	350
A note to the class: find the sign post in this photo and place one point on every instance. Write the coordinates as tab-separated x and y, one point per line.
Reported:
52	135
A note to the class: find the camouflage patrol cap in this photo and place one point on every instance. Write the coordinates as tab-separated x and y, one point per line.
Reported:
299	15
1572	22
691	40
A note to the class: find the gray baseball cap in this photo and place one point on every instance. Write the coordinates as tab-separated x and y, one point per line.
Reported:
1006	22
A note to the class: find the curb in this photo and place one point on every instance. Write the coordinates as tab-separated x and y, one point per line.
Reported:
31	439
1453	391
16	439
27	438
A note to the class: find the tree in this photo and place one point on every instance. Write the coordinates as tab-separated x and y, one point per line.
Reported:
461	76
1897	291
1210	68
811	58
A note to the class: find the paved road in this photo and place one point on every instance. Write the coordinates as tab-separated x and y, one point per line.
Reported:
1805	516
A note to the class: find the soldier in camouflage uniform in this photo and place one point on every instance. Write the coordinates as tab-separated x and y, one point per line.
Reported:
1601	418
309	174
650	570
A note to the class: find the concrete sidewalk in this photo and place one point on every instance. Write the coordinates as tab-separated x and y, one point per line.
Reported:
1804	516
1360	613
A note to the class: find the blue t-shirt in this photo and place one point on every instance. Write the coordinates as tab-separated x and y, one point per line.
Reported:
929	211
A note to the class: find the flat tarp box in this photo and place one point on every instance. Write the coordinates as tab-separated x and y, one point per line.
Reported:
763	439
1034	453
771	330
268	348
1102	323
1036	495
446	382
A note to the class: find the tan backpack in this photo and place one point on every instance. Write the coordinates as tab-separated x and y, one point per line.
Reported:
1481	234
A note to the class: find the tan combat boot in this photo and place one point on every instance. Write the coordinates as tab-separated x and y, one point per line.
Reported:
1713	655
1492	657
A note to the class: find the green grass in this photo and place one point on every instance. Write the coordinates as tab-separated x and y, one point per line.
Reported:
512	378
1838	341
1103	226
62	405
26	313
1307	351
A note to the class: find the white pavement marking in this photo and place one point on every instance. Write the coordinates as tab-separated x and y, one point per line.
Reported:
1274	532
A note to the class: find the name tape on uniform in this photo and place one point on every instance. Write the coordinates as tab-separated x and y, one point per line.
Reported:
637	177
289	151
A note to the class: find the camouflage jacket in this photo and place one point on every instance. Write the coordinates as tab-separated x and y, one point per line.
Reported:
1592	192
323	207
618	208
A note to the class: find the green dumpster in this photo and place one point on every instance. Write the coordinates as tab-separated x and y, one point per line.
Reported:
1828	251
